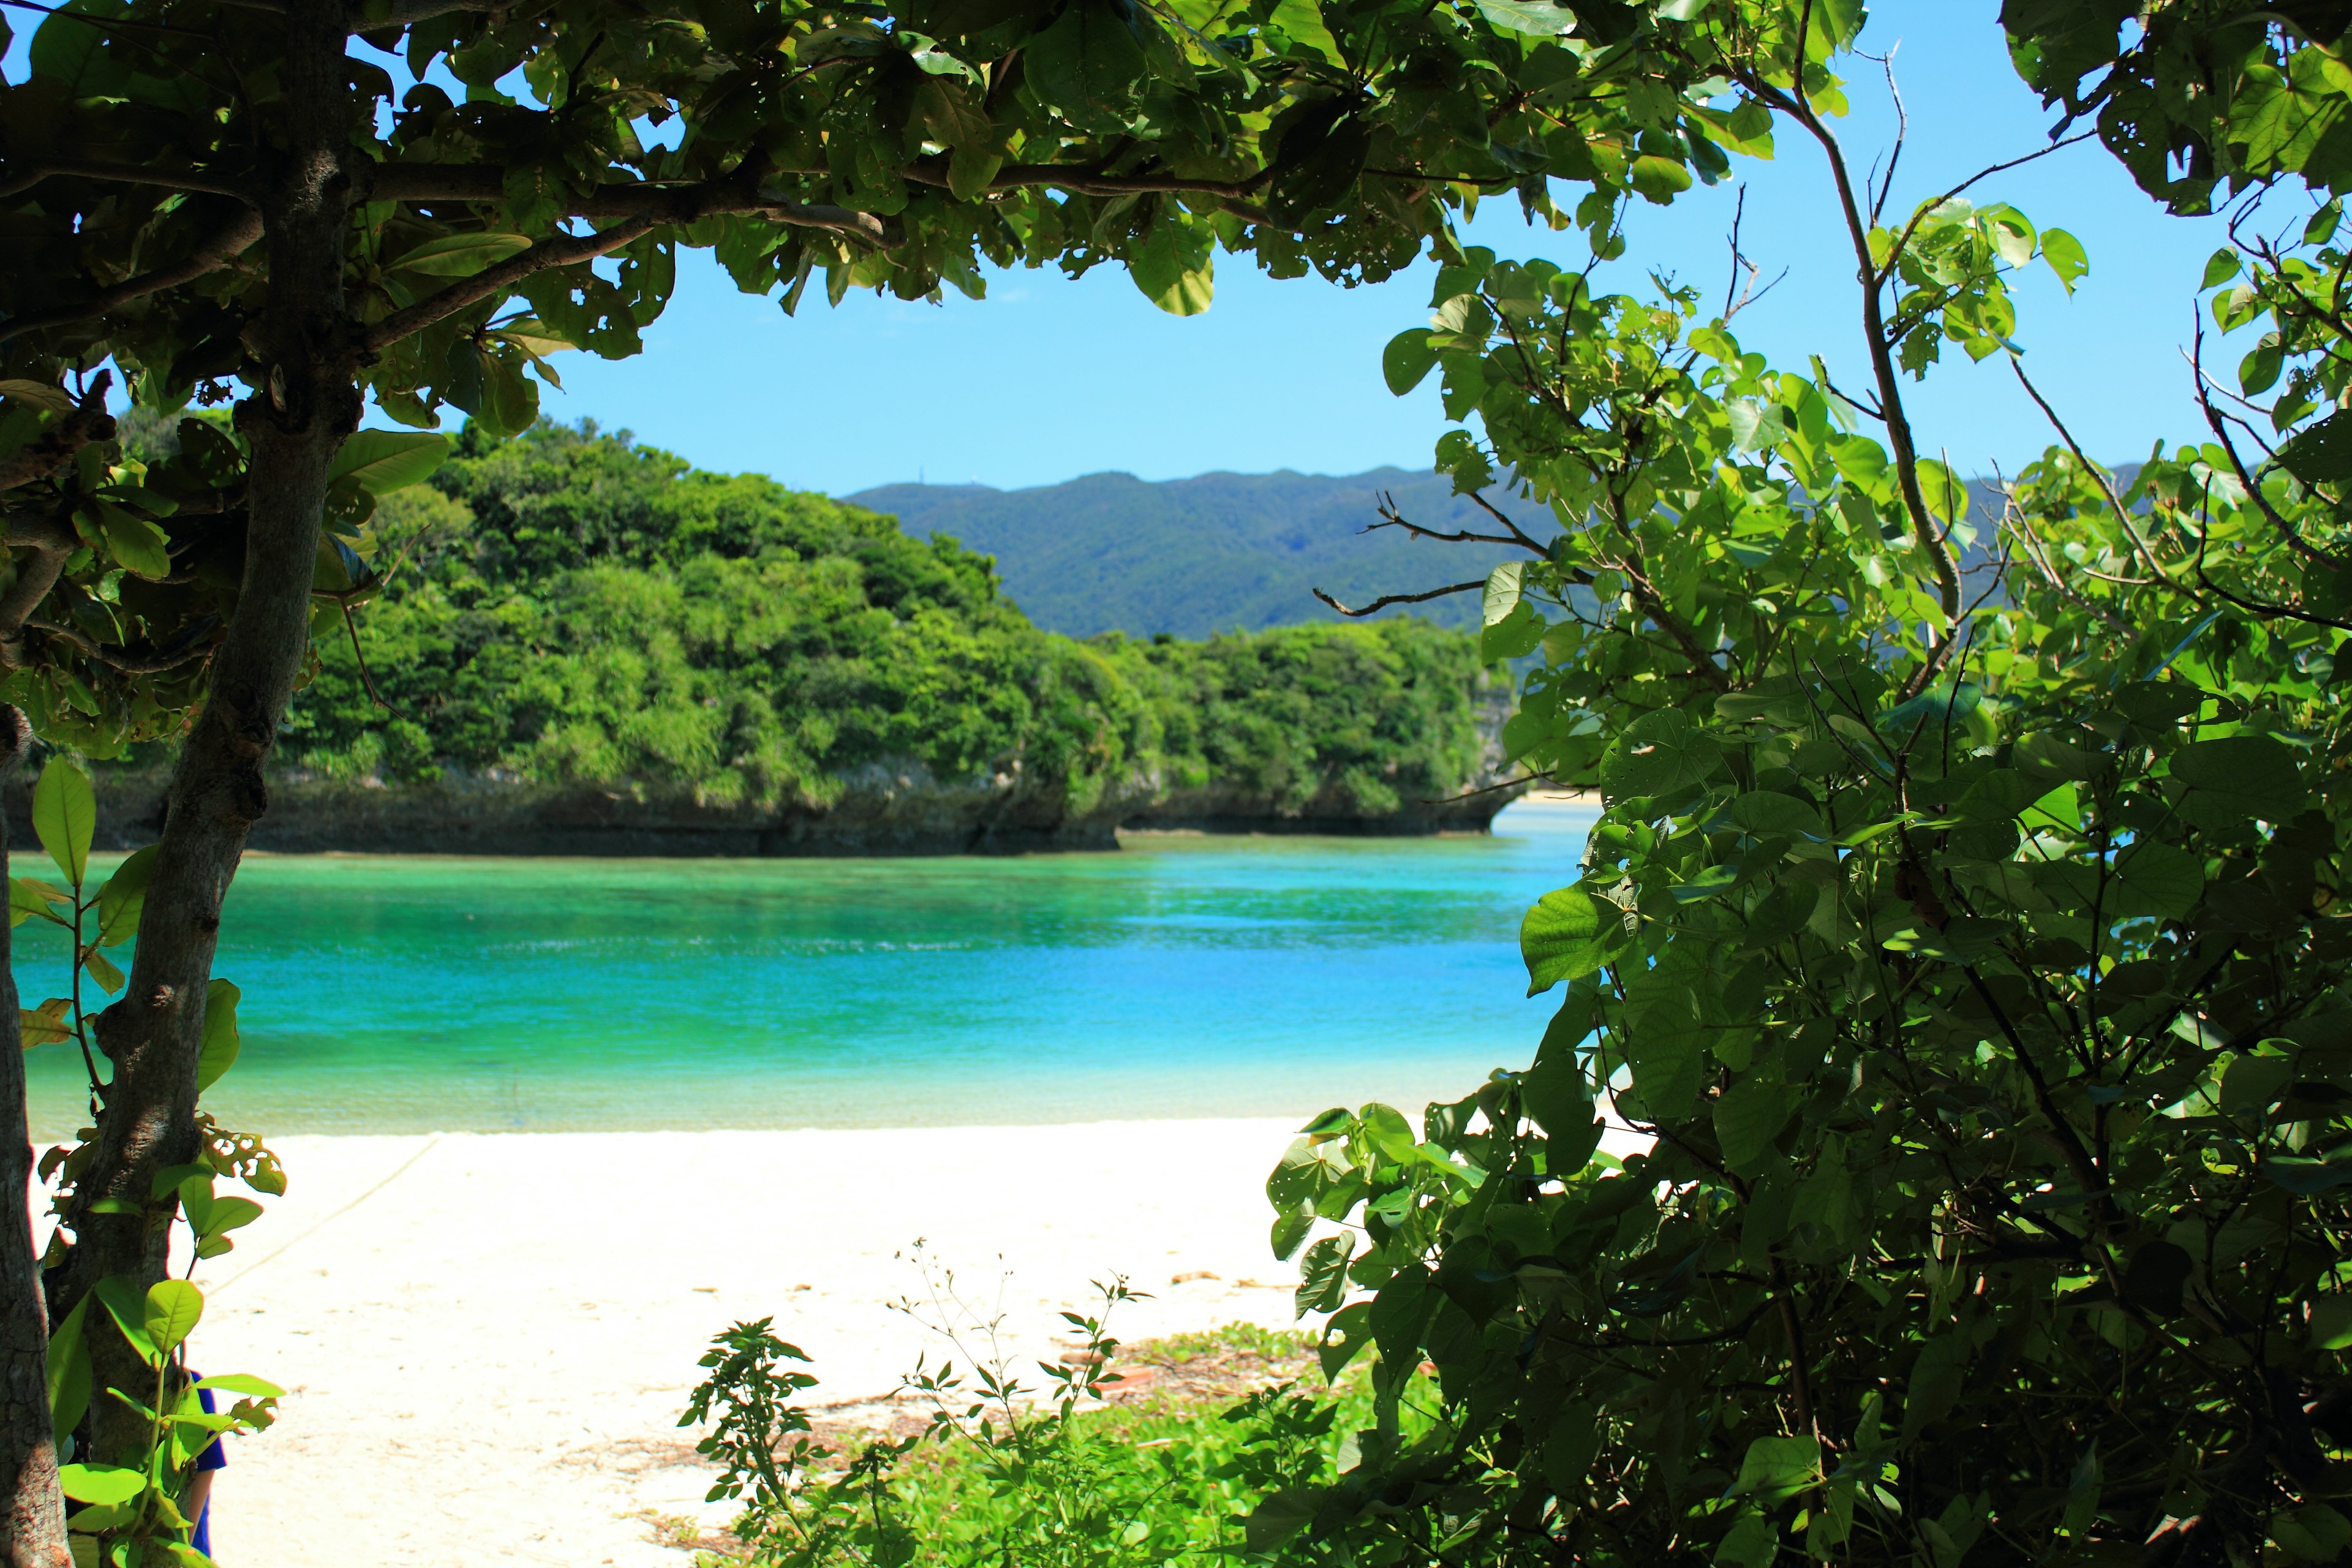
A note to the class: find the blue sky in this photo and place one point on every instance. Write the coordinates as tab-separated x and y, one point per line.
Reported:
1047	378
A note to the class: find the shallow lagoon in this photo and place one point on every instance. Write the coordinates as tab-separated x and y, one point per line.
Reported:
1178	976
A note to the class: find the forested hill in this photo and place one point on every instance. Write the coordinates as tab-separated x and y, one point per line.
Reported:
1113	552
586	644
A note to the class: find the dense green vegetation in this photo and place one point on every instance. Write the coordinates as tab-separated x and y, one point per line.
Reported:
569	605
987	1466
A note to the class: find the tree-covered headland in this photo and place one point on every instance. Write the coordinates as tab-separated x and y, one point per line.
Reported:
576	630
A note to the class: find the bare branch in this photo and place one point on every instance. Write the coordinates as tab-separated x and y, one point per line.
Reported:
2220	425
125	660
1495	788
1872	279
230	241
1901	132
1385	600
2098	476
22	176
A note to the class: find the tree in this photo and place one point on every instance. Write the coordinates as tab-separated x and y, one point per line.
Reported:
1973	964
288	196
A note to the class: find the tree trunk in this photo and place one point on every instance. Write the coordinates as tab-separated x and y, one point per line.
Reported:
306	403
32	1510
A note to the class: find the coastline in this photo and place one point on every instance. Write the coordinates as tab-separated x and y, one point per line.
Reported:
487	1339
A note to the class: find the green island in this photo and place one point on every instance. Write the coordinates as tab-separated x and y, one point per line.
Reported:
586	645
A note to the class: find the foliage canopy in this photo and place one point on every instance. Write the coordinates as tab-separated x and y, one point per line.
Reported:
1962	938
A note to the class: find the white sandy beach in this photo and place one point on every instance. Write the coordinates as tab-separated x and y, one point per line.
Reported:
487	1339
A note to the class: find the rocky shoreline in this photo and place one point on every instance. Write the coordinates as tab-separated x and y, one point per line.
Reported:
880	811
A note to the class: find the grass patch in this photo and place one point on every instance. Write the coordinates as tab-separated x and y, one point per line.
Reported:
1193	1432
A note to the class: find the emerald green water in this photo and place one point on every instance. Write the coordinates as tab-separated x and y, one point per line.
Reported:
1178	976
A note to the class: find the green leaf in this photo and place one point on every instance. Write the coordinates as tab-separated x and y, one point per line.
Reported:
2321	453
1778	1468
1936	1378
1515	636
1503	586
65	816
2159	879
136	544
2066	256
38	393
2331	1323
382	461
1323	1275
1346	1334
1400	1312
2312	1533
242	1382
1747	1117
1568	934
69	1371
2220	268
1555	1093
101	969
460	255
1175	266
1407	361
45	1025
1766	814
100	1483
127	1305
1659	180
172	1311
1665	1045
1301	22
220	1048
1752	1542
2303	1176
1540	18
2238	777
1660	752
124	897
1283	1514
28	897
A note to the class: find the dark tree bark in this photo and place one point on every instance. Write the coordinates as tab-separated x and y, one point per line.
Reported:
33	1524
306	403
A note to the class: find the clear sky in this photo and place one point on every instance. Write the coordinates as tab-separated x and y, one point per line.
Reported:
1047	379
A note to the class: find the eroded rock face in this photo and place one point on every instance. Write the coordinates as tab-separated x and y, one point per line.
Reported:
878	811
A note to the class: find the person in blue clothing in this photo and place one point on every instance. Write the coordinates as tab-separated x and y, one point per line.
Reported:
197	1502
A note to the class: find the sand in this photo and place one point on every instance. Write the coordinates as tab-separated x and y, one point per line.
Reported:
487	1339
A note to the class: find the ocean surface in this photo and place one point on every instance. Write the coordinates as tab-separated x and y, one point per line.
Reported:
1177	976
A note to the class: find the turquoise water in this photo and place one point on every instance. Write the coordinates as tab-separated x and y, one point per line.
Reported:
1177	976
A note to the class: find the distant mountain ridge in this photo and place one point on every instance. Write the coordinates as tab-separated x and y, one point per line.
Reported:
1217	552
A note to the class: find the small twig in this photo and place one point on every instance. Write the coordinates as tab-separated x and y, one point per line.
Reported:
1385	600
359	654
1483	789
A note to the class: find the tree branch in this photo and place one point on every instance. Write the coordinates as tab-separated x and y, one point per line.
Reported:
1385	600
562	252
408	13
22	176
54	447
226	244
125	660
649	210
1088	180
